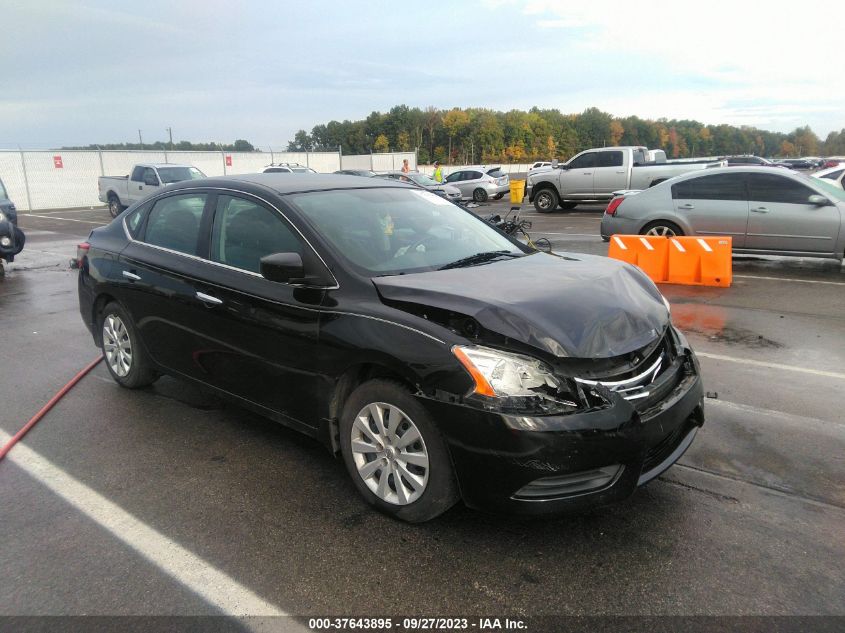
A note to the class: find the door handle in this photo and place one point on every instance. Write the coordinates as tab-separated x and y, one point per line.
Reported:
588	173
620	172
687	206
131	276
140	187
760	210
209	299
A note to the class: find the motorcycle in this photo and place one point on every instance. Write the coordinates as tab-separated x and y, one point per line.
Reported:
12	238
516	227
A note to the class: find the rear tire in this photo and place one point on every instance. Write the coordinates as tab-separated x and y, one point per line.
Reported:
662	228
125	357
375	456
115	208
479	195
546	200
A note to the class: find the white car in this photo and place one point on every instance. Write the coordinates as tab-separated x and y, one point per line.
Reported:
833	175
287	168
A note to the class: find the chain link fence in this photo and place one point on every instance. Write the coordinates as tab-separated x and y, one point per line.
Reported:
64	179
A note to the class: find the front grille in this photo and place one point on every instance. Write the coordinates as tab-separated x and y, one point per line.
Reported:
563	486
633	384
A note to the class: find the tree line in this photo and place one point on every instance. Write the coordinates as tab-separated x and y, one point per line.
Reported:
239	145
480	135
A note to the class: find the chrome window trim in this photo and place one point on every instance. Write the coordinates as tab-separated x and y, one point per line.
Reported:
154	201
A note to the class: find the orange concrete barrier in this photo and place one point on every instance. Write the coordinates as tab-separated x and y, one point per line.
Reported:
700	261
649	252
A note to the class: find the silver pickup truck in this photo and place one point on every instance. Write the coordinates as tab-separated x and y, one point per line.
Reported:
596	173
121	191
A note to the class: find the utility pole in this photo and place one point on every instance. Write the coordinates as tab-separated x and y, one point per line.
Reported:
140	140
170	132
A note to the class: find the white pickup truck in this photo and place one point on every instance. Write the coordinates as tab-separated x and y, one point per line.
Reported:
596	173
121	191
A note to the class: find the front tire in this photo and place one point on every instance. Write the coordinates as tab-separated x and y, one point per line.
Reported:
546	200
662	228
479	195
567	206
498	196
395	454
123	352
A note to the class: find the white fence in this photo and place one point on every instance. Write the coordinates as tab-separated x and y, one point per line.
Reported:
60	179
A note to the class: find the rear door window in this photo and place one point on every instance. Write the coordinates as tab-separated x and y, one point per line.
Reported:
137	174
471	175
174	223
715	187
775	188
610	159
245	231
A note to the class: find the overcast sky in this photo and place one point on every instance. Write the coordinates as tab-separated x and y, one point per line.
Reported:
91	71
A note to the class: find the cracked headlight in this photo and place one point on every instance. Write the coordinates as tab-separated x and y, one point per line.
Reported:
514	381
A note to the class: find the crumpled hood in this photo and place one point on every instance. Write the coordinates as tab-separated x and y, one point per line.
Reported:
578	306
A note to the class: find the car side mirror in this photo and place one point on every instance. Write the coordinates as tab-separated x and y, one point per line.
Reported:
555	163
818	201
283	267
150	180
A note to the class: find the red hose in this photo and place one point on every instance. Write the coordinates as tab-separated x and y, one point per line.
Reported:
34	420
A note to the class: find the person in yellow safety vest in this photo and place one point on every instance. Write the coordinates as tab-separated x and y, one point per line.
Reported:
438	172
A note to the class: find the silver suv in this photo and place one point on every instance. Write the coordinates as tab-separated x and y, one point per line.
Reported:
287	168
480	182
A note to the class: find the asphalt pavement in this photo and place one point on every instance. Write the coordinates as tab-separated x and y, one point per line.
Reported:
167	501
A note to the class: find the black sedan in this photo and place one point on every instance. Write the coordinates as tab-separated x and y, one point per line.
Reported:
441	358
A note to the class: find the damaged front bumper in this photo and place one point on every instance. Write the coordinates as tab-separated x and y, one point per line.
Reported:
548	464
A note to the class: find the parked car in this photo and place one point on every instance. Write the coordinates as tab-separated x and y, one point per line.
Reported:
748	159
540	163
439	357
833	174
287	168
795	163
450	192
833	161
367	173
480	182
596	173
764	210
12	238
145	178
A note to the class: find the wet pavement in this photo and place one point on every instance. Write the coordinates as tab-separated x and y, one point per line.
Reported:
124	502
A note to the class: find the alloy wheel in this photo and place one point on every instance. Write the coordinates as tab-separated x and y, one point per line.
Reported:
389	453
661	230
544	200
116	345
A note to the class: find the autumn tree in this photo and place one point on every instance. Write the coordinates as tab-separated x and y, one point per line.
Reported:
381	144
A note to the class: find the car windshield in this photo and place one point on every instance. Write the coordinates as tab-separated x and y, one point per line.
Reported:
178	174
390	231
830	189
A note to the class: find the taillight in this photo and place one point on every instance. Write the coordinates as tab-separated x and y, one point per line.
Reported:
614	204
81	253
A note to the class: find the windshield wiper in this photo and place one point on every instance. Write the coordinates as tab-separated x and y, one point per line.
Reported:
479	258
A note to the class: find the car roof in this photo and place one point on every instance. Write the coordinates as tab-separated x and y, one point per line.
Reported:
747	169
295	183
159	165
